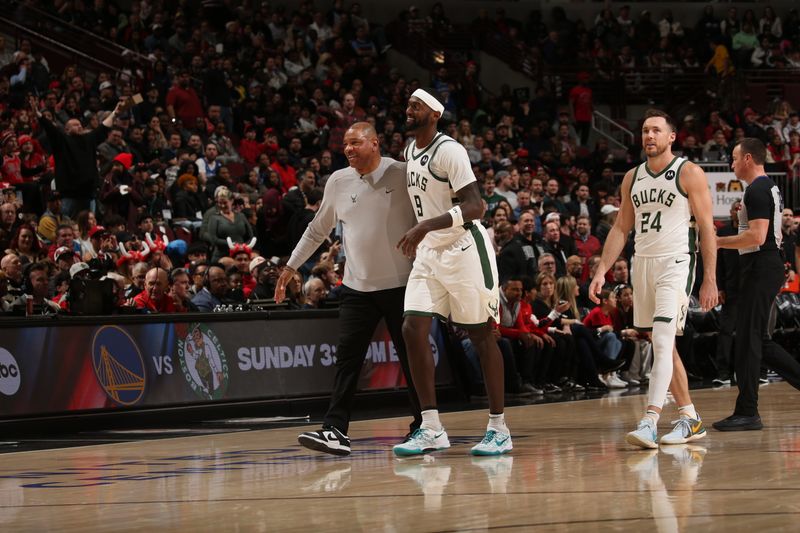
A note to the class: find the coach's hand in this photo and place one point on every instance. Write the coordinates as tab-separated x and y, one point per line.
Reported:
280	286
596	287
408	244
709	295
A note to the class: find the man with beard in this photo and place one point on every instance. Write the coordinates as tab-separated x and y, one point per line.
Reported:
214	291
74	148
454	274
369	199
265	272
667	200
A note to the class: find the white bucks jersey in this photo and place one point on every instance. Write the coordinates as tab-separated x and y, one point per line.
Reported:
664	223
433	175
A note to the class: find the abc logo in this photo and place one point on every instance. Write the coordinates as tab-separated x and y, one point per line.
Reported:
10	376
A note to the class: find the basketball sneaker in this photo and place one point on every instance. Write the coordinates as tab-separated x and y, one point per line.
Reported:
494	443
685	430
327	439
422	441
645	435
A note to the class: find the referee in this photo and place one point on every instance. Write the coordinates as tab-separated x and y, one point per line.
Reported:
761	276
371	201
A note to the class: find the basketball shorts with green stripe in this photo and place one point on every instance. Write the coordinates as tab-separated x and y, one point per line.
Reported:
661	289
457	281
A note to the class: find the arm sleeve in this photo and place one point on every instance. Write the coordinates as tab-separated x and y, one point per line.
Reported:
319	228
758	203
452	162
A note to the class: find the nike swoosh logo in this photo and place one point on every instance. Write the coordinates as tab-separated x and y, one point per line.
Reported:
465	247
389	190
679	262
500	442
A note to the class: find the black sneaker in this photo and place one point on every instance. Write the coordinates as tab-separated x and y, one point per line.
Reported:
327	439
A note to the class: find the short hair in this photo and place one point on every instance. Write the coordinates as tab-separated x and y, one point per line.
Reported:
754	147
653	112
604	294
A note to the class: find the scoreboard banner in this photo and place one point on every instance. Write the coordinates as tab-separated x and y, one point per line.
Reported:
48	370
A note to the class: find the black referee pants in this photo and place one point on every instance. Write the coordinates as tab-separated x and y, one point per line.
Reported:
359	315
761	275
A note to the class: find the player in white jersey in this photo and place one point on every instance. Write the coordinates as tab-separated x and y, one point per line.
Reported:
454	274
659	198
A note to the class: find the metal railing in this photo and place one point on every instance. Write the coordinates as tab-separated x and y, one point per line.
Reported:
59	54
613	131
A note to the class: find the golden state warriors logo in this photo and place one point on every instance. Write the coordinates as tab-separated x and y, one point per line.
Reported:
118	365
203	363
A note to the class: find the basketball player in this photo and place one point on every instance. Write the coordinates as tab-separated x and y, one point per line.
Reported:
658	200
368	198
761	275
454	273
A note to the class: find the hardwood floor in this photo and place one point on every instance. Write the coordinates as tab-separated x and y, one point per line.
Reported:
570	470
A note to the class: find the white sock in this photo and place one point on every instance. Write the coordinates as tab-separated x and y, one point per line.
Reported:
652	414
430	420
661	375
688	411
498	423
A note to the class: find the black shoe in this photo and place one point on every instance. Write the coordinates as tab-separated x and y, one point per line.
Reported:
739	423
610	365
596	387
549	388
327	439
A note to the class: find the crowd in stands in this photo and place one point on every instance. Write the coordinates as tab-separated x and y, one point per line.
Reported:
188	177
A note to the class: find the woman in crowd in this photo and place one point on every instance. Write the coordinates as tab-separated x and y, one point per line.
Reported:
26	246
86	221
590	356
635	346
226	223
562	367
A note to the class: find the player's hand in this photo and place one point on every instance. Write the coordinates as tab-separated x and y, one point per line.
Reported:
280	285
596	286
408	244
709	296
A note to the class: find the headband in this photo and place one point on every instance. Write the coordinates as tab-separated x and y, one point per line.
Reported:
429	100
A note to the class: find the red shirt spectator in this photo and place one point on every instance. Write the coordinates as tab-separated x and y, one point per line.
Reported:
164	304
287	172
183	102
581	99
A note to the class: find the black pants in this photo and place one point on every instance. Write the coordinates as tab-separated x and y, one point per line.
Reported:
359	315
761	275
727	322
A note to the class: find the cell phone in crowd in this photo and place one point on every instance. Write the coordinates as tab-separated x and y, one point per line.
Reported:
562	302
137	98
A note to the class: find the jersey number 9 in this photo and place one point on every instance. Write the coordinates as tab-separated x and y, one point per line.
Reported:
418	205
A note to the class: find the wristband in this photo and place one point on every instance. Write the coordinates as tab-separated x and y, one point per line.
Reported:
458	217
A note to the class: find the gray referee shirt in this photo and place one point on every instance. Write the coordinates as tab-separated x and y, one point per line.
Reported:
375	212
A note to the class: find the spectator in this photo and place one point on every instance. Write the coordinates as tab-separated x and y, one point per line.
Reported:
155	297
215	289
620	273
8	224
225	224
315	293
11	266
608	214
25	245
586	244
183	103
189	204
38	288
74	149
559	249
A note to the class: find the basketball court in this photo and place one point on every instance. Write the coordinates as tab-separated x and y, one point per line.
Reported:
569	470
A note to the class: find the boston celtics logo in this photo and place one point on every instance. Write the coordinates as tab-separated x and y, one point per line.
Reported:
203	362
